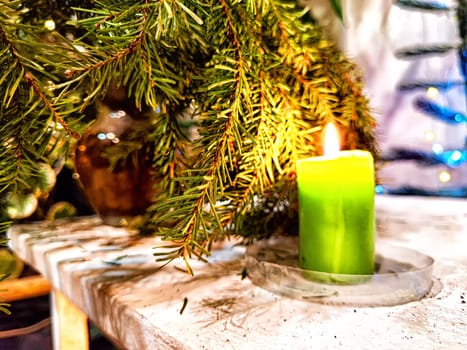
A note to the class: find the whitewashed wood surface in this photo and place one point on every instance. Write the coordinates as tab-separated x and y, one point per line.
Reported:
112	276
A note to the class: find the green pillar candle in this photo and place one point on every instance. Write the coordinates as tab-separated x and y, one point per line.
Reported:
336	213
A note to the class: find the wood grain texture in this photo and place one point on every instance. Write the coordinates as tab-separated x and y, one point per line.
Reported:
24	288
69	324
112	276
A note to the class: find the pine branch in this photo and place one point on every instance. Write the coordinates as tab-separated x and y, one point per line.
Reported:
260	104
151	38
257	74
37	119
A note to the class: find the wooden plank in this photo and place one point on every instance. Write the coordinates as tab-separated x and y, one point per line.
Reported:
113	276
69	324
24	288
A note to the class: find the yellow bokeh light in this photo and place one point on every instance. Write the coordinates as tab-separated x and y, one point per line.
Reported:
444	176
49	24
430	136
432	92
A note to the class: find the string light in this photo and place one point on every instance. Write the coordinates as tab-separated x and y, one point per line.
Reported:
444	176
49	24
432	92
437	148
456	155
430	136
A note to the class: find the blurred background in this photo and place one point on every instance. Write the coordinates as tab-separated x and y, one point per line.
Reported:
414	59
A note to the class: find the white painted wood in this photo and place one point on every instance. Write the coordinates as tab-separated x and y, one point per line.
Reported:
139	306
69	324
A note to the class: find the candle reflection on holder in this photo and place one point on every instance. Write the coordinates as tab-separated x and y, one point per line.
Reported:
336	210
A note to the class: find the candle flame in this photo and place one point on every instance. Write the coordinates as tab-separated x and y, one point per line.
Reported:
331	140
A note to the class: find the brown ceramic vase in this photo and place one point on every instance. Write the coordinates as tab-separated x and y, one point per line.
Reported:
114	165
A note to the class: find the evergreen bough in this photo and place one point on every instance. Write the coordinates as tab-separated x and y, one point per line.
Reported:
259	75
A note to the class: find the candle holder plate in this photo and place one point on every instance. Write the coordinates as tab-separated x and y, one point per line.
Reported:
401	275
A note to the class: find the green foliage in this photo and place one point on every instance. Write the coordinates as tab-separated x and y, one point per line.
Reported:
259	74
337	6
4	308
